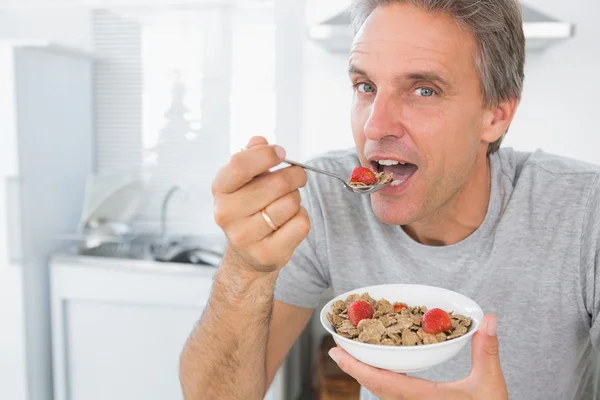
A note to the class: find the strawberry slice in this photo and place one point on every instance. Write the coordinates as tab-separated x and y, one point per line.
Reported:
436	321
363	175
359	310
399	306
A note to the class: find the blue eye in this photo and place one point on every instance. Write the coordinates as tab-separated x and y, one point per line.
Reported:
425	92
365	88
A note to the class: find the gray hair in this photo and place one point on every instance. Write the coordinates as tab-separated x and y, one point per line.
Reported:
498	28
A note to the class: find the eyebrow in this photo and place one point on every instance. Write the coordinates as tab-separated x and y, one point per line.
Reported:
413	76
426	76
354	70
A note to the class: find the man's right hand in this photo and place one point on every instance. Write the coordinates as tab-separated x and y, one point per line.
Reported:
242	190
232	336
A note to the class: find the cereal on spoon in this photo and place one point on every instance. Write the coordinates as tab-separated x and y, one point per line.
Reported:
362	176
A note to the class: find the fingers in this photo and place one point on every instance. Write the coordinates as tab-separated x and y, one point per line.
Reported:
243	189
485	353
263	191
276	249
256	141
382	383
485	382
246	165
486	376
280	212
255	228
289	235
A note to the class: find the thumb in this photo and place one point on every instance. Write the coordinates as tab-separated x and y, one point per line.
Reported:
485	349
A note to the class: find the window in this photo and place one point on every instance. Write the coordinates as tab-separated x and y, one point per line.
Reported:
177	90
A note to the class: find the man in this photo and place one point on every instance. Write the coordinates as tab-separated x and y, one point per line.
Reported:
436	85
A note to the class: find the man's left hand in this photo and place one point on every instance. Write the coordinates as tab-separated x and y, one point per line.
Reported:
486	381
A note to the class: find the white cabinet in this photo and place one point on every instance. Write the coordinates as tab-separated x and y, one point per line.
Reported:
12	332
119	327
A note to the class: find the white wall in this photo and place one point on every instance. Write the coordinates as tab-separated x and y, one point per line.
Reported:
327	99
327	90
69	27
560	101
557	113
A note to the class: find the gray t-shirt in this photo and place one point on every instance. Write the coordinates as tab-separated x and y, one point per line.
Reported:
533	262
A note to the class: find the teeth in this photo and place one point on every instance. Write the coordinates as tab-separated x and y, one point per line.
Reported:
389	162
396	183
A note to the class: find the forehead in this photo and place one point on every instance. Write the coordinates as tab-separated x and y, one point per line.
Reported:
401	35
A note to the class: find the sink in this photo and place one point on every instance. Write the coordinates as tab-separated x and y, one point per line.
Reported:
183	249
188	252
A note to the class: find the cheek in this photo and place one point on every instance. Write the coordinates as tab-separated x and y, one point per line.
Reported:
441	134
358	119
431	131
429	121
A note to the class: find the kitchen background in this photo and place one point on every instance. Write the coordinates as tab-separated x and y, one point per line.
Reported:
115	116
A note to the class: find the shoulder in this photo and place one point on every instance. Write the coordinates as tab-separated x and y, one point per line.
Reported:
551	185
515	164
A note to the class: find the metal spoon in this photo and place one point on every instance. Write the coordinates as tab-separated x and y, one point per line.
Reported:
347	184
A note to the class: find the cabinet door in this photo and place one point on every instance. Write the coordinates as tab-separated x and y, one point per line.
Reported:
12	335
118	332
122	351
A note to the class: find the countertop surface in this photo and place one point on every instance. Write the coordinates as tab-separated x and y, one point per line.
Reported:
133	265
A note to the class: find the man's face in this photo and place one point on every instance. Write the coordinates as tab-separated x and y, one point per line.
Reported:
417	100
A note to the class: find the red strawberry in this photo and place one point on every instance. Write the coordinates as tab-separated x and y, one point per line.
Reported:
436	321
359	310
363	175
399	306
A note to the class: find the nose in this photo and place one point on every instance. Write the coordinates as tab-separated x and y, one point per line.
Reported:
384	119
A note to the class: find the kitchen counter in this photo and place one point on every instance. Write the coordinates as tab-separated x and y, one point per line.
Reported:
134	265
119	326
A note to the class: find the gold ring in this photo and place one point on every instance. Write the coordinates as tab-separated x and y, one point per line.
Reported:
268	220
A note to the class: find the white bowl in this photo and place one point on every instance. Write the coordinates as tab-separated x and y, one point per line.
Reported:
407	359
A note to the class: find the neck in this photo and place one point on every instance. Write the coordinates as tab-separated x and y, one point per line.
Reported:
461	215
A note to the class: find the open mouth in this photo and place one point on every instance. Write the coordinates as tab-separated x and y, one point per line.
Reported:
400	170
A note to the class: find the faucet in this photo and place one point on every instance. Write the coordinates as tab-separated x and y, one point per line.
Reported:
182	250
163	214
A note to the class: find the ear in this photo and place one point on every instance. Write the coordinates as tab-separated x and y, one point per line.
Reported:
497	120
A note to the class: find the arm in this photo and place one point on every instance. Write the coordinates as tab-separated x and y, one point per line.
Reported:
222	351
229	342
226	354
287	323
